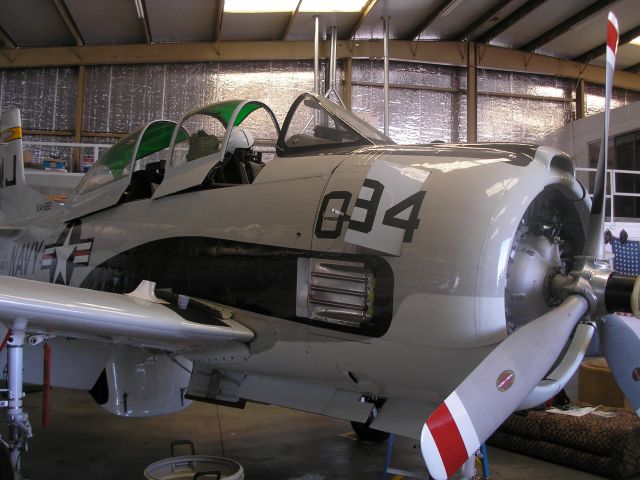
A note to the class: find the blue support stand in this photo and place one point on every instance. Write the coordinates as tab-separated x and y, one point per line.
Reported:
389	470
481	454
485	461
387	461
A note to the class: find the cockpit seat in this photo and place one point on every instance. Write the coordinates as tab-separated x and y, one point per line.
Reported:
254	167
144	181
241	164
202	144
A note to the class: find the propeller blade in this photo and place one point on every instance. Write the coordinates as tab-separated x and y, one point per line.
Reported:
595	233
496	387
620	343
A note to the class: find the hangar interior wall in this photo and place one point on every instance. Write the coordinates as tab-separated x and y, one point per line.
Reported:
427	102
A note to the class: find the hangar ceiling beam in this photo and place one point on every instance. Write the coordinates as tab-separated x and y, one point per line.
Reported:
424	24
509	21
486	16
287	29
6	39
601	49
513	60
69	22
445	53
565	26
363	15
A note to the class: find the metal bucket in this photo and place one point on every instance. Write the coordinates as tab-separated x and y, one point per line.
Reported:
194	467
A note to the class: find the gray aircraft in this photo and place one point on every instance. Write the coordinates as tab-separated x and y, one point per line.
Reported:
346	276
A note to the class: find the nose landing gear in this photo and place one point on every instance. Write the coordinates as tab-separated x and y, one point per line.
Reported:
18	421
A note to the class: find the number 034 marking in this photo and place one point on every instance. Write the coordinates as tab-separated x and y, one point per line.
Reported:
378	221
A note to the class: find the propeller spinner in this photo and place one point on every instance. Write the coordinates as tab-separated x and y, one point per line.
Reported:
506	377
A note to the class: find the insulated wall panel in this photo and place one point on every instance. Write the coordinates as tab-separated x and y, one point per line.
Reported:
427	103
415	116
515	107
46	96
431	108
493	81
594	98
122	98
511	119
407	73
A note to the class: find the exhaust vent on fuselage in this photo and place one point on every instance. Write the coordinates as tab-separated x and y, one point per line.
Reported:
335	291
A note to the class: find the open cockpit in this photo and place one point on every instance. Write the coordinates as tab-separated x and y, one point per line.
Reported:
221	145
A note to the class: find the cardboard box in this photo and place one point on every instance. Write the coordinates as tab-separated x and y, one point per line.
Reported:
54	165
597	386
27	156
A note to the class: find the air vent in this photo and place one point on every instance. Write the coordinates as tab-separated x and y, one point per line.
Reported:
335	291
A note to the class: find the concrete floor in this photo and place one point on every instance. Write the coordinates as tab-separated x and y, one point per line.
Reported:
84	441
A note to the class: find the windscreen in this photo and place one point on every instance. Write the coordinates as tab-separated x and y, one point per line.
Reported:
316	124
117	162
114	164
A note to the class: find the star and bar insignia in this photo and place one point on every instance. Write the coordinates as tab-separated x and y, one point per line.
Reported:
68	252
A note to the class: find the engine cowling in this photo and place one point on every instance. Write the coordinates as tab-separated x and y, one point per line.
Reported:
495	221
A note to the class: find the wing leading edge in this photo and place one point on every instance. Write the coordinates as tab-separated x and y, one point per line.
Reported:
61	310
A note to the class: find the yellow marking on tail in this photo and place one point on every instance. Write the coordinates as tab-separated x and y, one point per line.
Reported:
13	133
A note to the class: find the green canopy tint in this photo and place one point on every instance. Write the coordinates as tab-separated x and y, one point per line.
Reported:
223	111
157	137
118	157
158	134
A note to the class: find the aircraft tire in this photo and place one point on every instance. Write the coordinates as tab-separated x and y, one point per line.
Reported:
368	434
6	470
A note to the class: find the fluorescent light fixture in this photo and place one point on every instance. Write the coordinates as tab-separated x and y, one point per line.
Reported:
320	6
259	6
635	41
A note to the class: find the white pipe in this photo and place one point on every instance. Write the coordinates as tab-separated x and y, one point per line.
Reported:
316	56
385	23
18	420
332	59
14	361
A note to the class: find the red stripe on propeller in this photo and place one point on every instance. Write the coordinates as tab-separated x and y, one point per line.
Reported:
612	37
447	437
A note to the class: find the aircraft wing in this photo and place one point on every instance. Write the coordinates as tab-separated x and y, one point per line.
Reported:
139	318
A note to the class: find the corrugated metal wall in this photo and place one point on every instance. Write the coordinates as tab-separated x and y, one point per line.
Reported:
45	96
427	102
121	98
435	110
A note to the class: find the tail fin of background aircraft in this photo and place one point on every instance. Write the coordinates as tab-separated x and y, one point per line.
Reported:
17	199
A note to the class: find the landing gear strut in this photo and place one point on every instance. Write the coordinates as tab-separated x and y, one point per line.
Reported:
6	469
16	418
